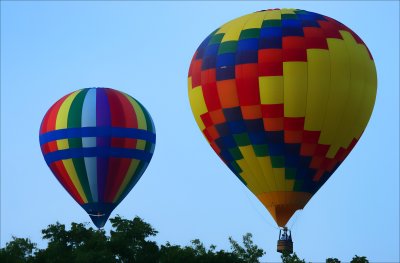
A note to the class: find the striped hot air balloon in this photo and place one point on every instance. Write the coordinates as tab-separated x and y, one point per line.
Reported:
97	142
282	96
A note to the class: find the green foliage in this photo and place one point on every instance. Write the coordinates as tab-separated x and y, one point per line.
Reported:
291	258
79	244
128	242
250	253
357	259
18	250
196	253
332	260
175	254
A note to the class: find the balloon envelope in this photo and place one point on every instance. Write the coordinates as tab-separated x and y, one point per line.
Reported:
282	96
97	142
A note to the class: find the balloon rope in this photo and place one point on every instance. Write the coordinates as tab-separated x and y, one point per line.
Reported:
264	219
295	219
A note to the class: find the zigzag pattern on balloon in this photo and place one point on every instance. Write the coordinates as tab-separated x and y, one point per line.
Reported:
282	96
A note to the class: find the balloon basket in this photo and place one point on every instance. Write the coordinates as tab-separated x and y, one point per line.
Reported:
285	243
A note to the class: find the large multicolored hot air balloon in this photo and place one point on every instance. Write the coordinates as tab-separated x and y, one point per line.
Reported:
282	96
97	142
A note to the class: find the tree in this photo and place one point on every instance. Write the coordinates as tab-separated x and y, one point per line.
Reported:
59	248
291	258
18	250
79	244
176	254
332	260
250	253
357	259
196	253
204	255
128	241
90	245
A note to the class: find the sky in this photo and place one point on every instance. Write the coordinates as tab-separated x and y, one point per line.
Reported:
51	48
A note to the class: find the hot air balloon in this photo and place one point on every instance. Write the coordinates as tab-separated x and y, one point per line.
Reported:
282	96
97	142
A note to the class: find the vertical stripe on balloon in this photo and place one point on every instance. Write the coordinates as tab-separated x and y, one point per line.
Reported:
89	109
89	120
128	177
91	171
142	122
340	78
62	176
117	171
62	123
75	121
49	120
139	172
103	119
49	123
120	117
346	130
317	98
138	110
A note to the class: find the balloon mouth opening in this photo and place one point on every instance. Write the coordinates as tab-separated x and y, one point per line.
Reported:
99	220
99	212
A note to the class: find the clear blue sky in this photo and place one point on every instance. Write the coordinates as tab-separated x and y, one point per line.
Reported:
144	48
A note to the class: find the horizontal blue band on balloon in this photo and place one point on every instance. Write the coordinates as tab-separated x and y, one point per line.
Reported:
106	152
115	132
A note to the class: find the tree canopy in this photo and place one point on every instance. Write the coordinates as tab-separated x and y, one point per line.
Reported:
130	241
